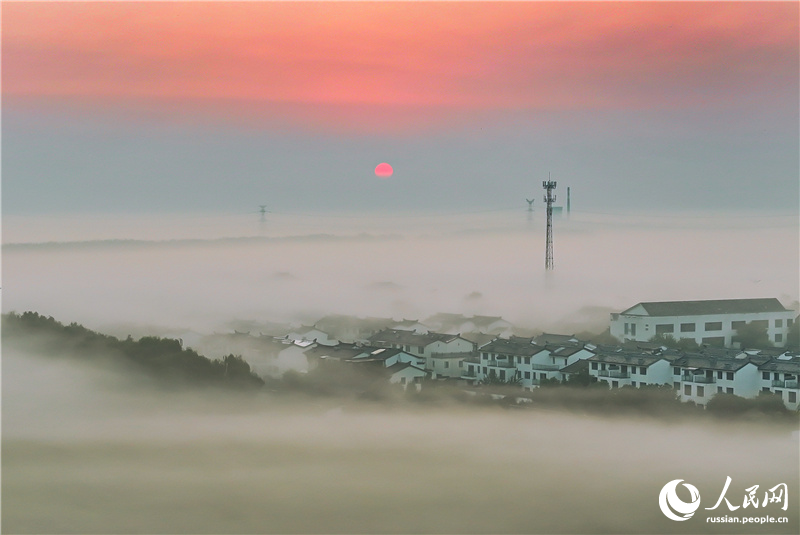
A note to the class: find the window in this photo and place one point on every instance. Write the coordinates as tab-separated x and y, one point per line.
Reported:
713	326
729	376
676	371
687	390
627	328
778	323
701	391
761	324
779	338
643	370
729	390
422	349
484	370
527	375
718	341
624	369
719	375
594	365
615	384
719	390
792	397
446	364
633	329
502	375
676	386
788	323
633	383
736	325
484	356
765	376
527	360
664	328
687	327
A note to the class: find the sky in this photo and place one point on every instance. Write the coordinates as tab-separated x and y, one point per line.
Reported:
220	107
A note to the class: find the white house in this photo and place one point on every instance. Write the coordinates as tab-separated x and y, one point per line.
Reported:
422	345
388	356
500	359
449	365
620	368
699	377
311	334
406	374
519	359
780	375
705	322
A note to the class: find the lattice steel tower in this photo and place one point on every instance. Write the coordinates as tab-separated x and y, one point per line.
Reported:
549	198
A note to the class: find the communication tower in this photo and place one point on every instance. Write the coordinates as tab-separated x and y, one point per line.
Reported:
549	198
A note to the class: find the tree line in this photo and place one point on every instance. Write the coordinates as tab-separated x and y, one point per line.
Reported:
163	358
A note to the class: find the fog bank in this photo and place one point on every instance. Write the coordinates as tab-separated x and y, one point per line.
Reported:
87	452
301	267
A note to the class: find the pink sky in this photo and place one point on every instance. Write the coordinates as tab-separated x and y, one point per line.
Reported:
395	65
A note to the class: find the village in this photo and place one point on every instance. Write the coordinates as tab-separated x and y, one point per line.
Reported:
698	348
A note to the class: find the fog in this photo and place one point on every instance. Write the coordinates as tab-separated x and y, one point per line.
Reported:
201	272
101	450
88	451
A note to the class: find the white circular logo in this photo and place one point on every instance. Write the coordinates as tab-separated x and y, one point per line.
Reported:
668	501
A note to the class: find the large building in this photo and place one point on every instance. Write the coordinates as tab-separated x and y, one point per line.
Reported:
705	322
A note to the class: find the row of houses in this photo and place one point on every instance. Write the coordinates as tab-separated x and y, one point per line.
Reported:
697	377
406	358
409	351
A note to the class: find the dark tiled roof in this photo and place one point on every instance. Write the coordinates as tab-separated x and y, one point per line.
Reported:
777	365
341	351
512	346
576	367
711	363
400	366
626	358
563	350
402	337
548	338
720	306
478	339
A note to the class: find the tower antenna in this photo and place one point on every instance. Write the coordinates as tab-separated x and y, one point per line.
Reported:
567	201
530	204
549	198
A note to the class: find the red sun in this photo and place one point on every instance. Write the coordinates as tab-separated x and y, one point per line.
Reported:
384	170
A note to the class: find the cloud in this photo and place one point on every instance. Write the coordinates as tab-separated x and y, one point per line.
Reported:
413	64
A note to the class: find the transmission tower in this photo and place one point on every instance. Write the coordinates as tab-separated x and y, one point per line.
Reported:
567	201
549	198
